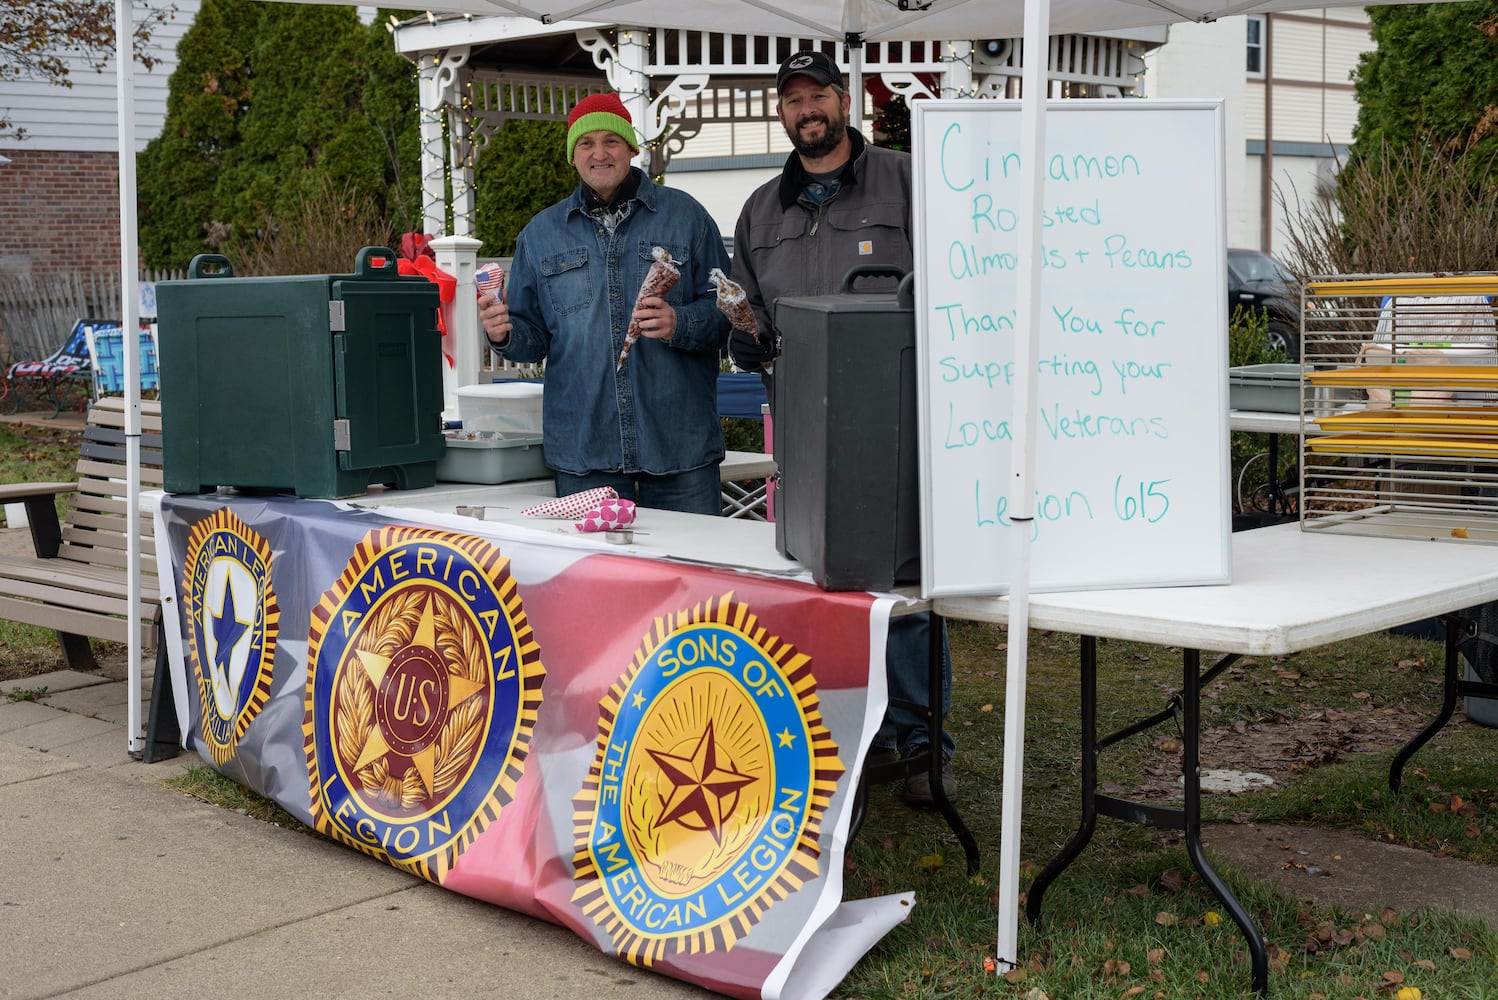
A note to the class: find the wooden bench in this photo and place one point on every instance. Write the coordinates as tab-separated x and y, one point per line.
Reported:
75	580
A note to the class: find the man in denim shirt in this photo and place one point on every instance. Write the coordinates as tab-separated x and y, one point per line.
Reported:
649	427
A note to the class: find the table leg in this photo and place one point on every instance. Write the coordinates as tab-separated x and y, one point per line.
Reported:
1191	769
935	725
1455	627
1186	819
1069	851
1277	502
932	761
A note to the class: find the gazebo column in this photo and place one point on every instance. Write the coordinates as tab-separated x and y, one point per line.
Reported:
438	92
629	78
458	256
958	76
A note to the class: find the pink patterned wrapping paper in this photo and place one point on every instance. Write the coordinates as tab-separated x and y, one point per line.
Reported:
574	505
608	516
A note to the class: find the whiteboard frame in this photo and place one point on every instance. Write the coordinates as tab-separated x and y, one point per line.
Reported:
1213	567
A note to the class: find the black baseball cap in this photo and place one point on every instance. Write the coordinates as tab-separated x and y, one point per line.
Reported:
815	64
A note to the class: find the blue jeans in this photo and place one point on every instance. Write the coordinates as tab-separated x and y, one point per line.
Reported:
906	655
696	491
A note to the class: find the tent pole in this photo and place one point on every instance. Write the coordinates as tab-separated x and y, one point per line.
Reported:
124	49
1022	468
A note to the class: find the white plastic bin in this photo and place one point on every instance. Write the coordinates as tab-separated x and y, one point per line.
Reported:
501	407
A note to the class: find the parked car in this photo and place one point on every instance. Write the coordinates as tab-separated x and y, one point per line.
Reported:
1259	283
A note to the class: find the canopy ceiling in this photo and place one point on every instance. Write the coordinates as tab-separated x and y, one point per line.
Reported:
876	20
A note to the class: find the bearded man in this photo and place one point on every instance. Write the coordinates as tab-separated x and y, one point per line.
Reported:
838	203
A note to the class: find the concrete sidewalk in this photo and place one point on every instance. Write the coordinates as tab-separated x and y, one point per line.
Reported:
118	886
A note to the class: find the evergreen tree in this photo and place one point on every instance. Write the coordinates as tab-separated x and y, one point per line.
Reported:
892	124
207	97
522	170
1432	80
273	104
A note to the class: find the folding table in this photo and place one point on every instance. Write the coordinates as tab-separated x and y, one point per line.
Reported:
1290	590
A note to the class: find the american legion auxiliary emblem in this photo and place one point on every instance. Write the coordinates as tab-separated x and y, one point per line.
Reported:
232	622
423	683
703	804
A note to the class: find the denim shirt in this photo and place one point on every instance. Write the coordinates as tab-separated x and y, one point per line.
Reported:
571	290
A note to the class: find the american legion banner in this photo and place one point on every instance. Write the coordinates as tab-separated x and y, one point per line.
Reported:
658	755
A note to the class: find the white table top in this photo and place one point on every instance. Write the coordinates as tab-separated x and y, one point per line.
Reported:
1264	422
737	465
737	543
1290	590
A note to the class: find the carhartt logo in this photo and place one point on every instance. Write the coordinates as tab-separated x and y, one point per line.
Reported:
865	247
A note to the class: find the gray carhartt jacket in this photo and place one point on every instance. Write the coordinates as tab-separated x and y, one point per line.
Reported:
787	245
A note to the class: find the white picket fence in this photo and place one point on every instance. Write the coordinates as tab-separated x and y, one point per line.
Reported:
37	312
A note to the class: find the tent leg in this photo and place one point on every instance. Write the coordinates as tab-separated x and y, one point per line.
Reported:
163	735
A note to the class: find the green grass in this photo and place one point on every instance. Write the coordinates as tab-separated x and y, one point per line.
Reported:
203	782
37	454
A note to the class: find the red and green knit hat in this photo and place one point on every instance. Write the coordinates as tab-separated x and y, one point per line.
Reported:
597	112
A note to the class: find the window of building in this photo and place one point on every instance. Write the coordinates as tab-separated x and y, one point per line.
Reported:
1256	46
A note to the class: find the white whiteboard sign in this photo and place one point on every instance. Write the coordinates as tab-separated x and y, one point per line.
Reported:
1130	391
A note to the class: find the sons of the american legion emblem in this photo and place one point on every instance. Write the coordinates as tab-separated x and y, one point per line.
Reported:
423	684
703	805
232	623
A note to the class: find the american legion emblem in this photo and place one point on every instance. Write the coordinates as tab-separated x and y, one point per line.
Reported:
703	805
423	684
232	623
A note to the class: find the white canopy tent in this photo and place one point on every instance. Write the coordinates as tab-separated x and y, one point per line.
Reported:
852	22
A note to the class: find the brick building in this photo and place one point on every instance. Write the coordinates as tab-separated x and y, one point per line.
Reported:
61	209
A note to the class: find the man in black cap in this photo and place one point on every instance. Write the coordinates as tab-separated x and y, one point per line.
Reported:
838	203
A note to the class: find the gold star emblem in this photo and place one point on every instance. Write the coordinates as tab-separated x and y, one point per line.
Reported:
703	790
418	657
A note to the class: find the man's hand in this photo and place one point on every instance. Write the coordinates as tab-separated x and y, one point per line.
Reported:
657	320
494	314
749	352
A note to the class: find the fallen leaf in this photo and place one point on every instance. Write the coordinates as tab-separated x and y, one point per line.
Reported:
1393	976
1155	956
987	708
1132	991
1461	954
930	862
1166	919
1015	976
1170	880
1201	976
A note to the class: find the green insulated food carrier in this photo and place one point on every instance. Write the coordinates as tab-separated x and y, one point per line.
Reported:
317	385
